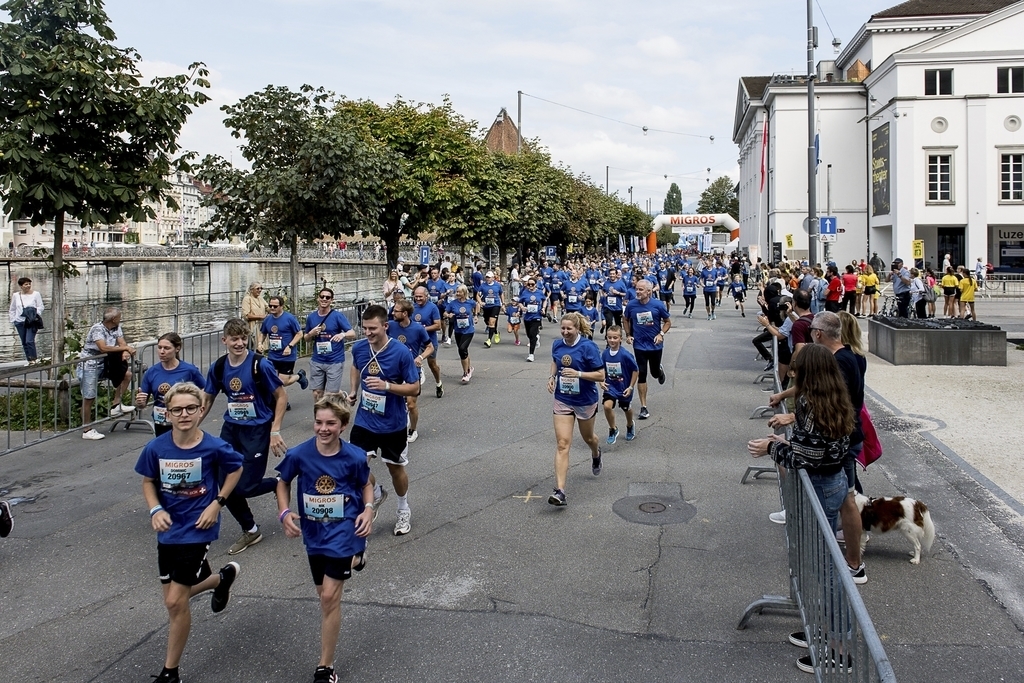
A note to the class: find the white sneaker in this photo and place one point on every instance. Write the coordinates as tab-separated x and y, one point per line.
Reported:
529	358
116	411
93	435
778	517
448	342
404	523
413	435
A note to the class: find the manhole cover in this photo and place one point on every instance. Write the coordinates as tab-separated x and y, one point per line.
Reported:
655	509
652	507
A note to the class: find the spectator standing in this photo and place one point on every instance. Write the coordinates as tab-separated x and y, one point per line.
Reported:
254	310
901	287
25	314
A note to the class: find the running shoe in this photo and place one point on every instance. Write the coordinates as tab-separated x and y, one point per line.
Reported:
497	338
714	316
595	463
778	517
413	435
709	316
557	498
166	677
404	523
689	315
448	341
630	432
613	434
377	502
325	674
661	374
469	375
117	410
517	342
93	435
439	391
860	575
6	519
644	413
303	382
465	378
228	574
529	358
487	344
244	541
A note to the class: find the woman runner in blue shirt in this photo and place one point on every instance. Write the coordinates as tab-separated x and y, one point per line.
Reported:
461	311
162	376
576	368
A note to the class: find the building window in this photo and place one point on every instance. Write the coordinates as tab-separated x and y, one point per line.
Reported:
1011	177
938	82
940	178
1010	79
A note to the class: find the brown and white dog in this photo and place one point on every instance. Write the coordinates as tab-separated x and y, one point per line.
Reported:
906	514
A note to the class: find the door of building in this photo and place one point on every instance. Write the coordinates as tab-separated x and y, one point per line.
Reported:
950	241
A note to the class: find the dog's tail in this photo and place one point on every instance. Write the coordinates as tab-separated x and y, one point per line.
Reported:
921	512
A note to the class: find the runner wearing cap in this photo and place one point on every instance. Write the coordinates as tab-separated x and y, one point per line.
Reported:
490	295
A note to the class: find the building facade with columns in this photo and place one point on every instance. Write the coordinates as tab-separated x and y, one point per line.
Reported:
940	87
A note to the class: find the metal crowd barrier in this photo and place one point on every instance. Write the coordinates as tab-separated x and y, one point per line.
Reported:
841	638
39	403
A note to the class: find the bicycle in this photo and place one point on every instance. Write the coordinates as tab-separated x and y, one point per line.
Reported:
889	307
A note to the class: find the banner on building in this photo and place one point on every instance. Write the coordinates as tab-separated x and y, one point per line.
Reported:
880	171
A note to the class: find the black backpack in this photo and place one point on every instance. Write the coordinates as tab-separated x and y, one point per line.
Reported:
261	385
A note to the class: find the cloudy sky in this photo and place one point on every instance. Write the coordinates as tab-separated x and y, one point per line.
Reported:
671	66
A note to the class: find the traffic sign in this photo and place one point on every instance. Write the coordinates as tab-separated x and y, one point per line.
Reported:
918	249
789	241
826	237
424	254
827	225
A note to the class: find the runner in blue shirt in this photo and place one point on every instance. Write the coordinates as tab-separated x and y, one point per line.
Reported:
646	322
666	277
490	296
515	319
721	279
328	329
737	288
252	421
620	372
333	515
282	332
709	282
616	294
180	472
427	313
416	339
161	377
385	373
590	312
690	284
531	305
574	291
461	310
555	286
437	289
576	369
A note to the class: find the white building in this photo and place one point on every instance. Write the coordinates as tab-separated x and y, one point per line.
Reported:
935	152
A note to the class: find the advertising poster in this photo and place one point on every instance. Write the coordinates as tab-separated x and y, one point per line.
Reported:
880	171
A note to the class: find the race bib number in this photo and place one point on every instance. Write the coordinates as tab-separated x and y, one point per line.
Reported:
613	370
182	477
462	323
514	320
324	347
275	344
159	415
690	289
612	301
373	403
532	308
242	410
434	298
573	298
323	509
645	318
490	301
568	385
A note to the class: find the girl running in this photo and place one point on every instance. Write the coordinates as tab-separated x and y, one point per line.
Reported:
461	312
621	373
161	377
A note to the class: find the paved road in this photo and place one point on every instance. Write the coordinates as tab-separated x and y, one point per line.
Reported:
493	584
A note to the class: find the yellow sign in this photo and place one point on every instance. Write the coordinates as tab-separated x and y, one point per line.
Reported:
789	241
918	249
568	249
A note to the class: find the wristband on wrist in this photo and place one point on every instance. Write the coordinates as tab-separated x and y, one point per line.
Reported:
155	509
387	386
280	517
275	433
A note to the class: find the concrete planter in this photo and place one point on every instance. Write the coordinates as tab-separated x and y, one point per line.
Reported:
910	345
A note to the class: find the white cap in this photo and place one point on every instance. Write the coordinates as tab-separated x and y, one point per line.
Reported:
489	273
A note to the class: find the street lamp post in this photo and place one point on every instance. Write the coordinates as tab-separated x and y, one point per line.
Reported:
812	156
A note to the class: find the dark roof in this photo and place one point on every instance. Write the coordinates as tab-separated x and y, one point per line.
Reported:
924	8
755	85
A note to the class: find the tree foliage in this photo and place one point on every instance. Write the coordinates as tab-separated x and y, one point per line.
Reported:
673	201
720	197
666	237
79	134
315	173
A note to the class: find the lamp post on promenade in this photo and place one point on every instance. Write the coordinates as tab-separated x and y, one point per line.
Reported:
812	156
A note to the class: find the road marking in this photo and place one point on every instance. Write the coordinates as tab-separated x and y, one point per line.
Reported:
528	497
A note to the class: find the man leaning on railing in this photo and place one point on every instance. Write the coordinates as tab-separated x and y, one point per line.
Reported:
106	356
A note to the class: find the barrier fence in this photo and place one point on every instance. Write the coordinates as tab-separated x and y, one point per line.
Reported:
43	402
840	635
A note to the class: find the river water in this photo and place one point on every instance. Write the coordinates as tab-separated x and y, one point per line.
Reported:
158	297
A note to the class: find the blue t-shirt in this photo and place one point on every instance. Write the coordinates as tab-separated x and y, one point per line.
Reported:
246	405
590	313
666	277
186	482
328	497
427	315
690	283
477	279
157	381
645	322
379	411
532	304
615	295
722	273
618	370
414	337
324	350
583	356
710	279
573	294
737	289
490	294
594	279
437	289
555	284
513	314
463	312
280	331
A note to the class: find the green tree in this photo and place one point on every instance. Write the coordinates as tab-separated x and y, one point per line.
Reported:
673	201
666	237
315	173
720	197
443	164
80	136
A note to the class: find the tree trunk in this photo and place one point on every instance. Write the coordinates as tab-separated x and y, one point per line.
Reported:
293	274
58	288
391	237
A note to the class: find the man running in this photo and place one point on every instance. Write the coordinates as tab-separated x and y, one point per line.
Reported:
646	322
329	329
490	295
415	338
282	332
616	294
531	304
709	280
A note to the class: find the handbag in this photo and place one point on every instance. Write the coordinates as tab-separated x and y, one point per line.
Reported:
872	447
32	319
929	294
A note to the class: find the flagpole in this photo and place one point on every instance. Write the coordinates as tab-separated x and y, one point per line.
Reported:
812	199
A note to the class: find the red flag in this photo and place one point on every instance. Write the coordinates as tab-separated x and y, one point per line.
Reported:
764	152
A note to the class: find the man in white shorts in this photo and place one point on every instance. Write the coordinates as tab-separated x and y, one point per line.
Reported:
327	330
